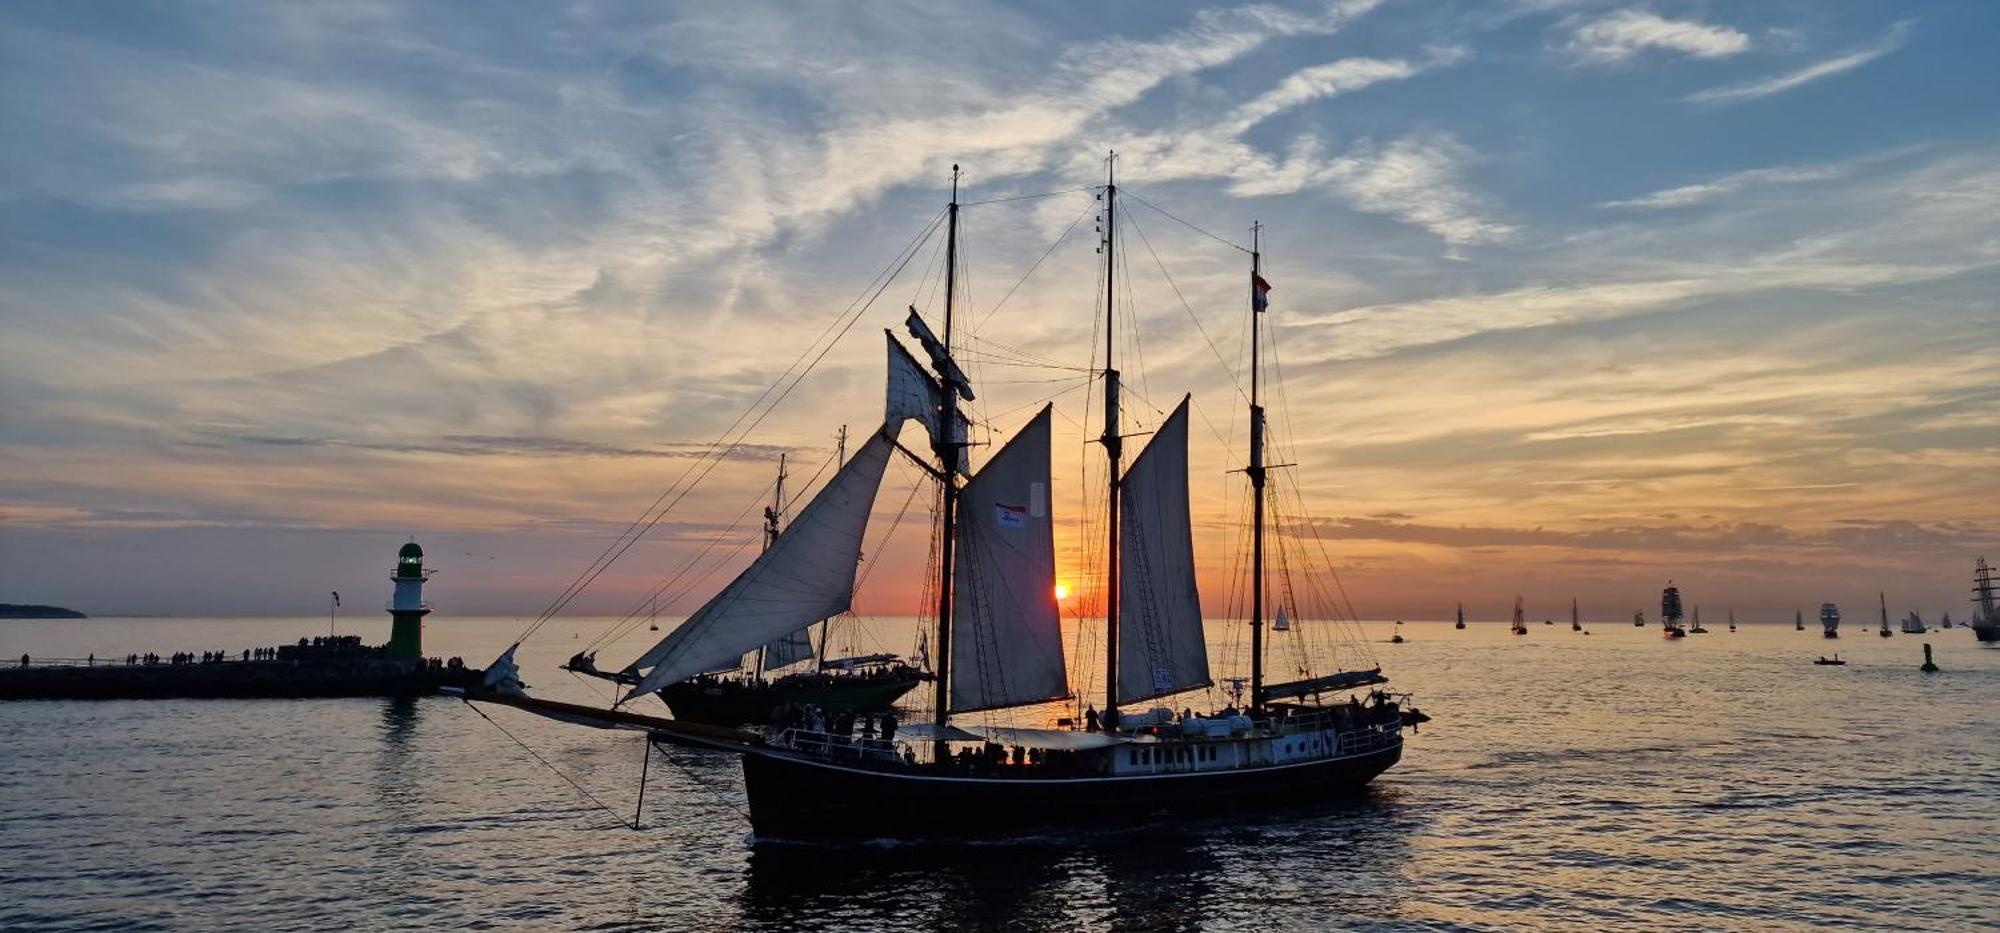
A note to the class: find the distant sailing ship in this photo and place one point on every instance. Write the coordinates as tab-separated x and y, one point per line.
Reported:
1696	628
1639	619
1461	616
1885	633
1829	620
1520	619
1985	620
1574	625
1944	621
1670	612
729	696
1732	620
1798	620
1913	624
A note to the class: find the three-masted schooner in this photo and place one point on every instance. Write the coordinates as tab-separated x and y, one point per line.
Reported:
998	640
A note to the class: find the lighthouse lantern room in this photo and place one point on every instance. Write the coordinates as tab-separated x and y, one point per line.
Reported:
407	609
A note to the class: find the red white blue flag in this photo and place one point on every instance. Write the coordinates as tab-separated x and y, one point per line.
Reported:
1260	292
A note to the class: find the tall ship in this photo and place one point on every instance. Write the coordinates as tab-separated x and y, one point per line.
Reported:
1829	620
1985	619
1913	624
1520	626
1670	612
787	671
997	645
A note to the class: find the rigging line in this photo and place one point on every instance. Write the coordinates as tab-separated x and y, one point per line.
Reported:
773	406
1169	215
1038	262
640	525
629	621
545	762
1189	308
698	782
1030	197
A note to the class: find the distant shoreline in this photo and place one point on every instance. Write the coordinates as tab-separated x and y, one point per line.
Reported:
34	611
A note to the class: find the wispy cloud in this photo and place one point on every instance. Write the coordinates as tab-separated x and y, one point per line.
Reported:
1619	36
1897	36
1700	192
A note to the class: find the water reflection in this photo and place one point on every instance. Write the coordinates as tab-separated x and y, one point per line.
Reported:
1341	859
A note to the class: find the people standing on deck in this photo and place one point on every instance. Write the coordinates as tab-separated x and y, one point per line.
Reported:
1090	721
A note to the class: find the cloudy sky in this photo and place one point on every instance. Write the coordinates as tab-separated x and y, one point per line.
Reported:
1571	297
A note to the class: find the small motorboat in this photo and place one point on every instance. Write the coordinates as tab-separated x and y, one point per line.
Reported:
1831	662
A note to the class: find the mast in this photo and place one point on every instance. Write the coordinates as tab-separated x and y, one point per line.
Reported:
773	514
1256	472
947	454
1113	446
826	625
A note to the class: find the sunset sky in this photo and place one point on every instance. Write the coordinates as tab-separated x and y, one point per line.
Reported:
1570	297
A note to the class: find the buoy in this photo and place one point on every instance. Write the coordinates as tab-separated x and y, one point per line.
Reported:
1930	667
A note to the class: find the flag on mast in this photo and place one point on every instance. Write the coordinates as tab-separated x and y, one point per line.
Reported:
1260	292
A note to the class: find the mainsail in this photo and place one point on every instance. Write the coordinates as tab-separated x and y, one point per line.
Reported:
1161	647
806	576
1006	647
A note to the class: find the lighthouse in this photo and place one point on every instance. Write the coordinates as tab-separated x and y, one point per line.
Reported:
407	609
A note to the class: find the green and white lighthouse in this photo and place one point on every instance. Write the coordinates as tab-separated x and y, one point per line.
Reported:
407	609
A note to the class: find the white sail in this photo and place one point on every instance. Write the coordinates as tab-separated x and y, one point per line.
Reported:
1161	647
788	650
915	394
1006	647
806	575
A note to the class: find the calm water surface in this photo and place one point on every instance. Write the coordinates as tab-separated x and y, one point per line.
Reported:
1610	782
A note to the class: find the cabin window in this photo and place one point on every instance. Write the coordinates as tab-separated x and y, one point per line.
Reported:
1135	756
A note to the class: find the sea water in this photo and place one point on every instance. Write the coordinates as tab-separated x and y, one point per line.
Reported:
1611	781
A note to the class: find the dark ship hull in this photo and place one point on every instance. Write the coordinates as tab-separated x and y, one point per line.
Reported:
797	797
1986	631
751	703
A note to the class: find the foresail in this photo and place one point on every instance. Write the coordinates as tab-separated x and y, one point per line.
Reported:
804	576
1161	647
1006	647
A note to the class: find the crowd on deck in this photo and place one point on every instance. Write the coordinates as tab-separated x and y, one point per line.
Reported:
305	649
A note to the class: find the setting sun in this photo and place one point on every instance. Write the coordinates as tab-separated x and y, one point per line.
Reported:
1062	592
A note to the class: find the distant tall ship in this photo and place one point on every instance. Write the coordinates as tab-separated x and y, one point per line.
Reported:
1461	616
1520	618
1798	620
1829	620
1986	615
1913	624
1670	612
1574	625
1884	632
1732	620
